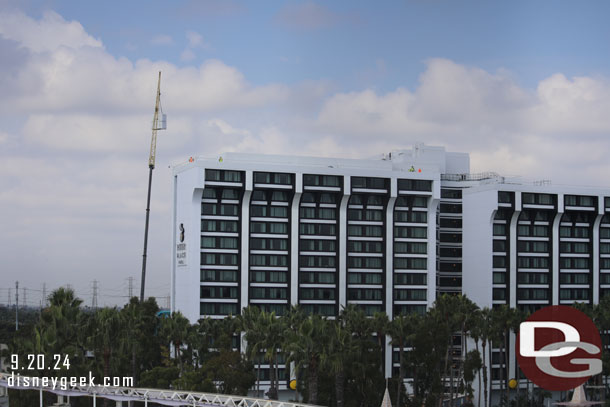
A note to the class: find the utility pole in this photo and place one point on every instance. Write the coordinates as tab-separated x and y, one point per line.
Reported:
16	305
156	125
94	299
44	295
10	299
25	303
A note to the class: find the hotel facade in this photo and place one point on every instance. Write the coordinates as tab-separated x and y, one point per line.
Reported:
387	235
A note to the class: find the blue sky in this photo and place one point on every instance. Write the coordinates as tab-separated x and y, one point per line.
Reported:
524	86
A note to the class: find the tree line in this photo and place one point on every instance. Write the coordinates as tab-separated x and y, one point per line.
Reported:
337	362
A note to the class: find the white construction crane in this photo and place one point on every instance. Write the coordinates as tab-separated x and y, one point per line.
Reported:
159	123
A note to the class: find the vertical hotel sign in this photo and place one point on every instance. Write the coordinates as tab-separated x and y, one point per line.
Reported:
181	248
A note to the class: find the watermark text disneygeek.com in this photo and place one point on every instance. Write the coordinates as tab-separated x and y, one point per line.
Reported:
65	383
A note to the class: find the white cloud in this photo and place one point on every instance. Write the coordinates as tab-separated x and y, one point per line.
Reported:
162	39
187	55
226	128
195	39
47	34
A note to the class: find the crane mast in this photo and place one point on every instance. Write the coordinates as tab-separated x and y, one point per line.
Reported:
159	123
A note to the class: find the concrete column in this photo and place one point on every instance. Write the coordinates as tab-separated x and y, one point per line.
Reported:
294	240
342	282
245	241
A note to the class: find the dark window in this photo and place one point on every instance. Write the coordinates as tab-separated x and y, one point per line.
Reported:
414	185
451	193
450	223
532	278
505	197
451	208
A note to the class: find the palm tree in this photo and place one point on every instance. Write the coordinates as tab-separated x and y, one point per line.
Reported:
401	329
336	355
487	334
175	330
254	336
380	324
305	348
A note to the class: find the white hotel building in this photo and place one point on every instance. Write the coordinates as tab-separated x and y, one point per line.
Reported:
387	234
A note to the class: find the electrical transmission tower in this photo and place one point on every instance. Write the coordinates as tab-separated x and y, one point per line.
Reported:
130	287
159	123
94	299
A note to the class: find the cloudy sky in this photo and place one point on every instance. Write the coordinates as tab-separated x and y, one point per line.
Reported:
523	86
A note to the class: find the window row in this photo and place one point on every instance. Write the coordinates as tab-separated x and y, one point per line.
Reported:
311	245
268	244
268	260
365	262
316	294
533	293
578	200
411	248
268	293
264	276
410	295
451	193
278	228
223	175
411	201
318	229
272	178
365	278
414	185
539	215
219	209
370	183
573	247
317	261
573	263
276	196
207	308
410	232
411	264
574	278
318	213
229	276
222	193
450	223
219	226
221	259
210	242
538	199
413	217
316	278
528	246
271	211
373	200
322	180
370	294
575	294
533	262
312	197
410	279
578	231
219	292
533	278
359	246
533	230
365	214
365	230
